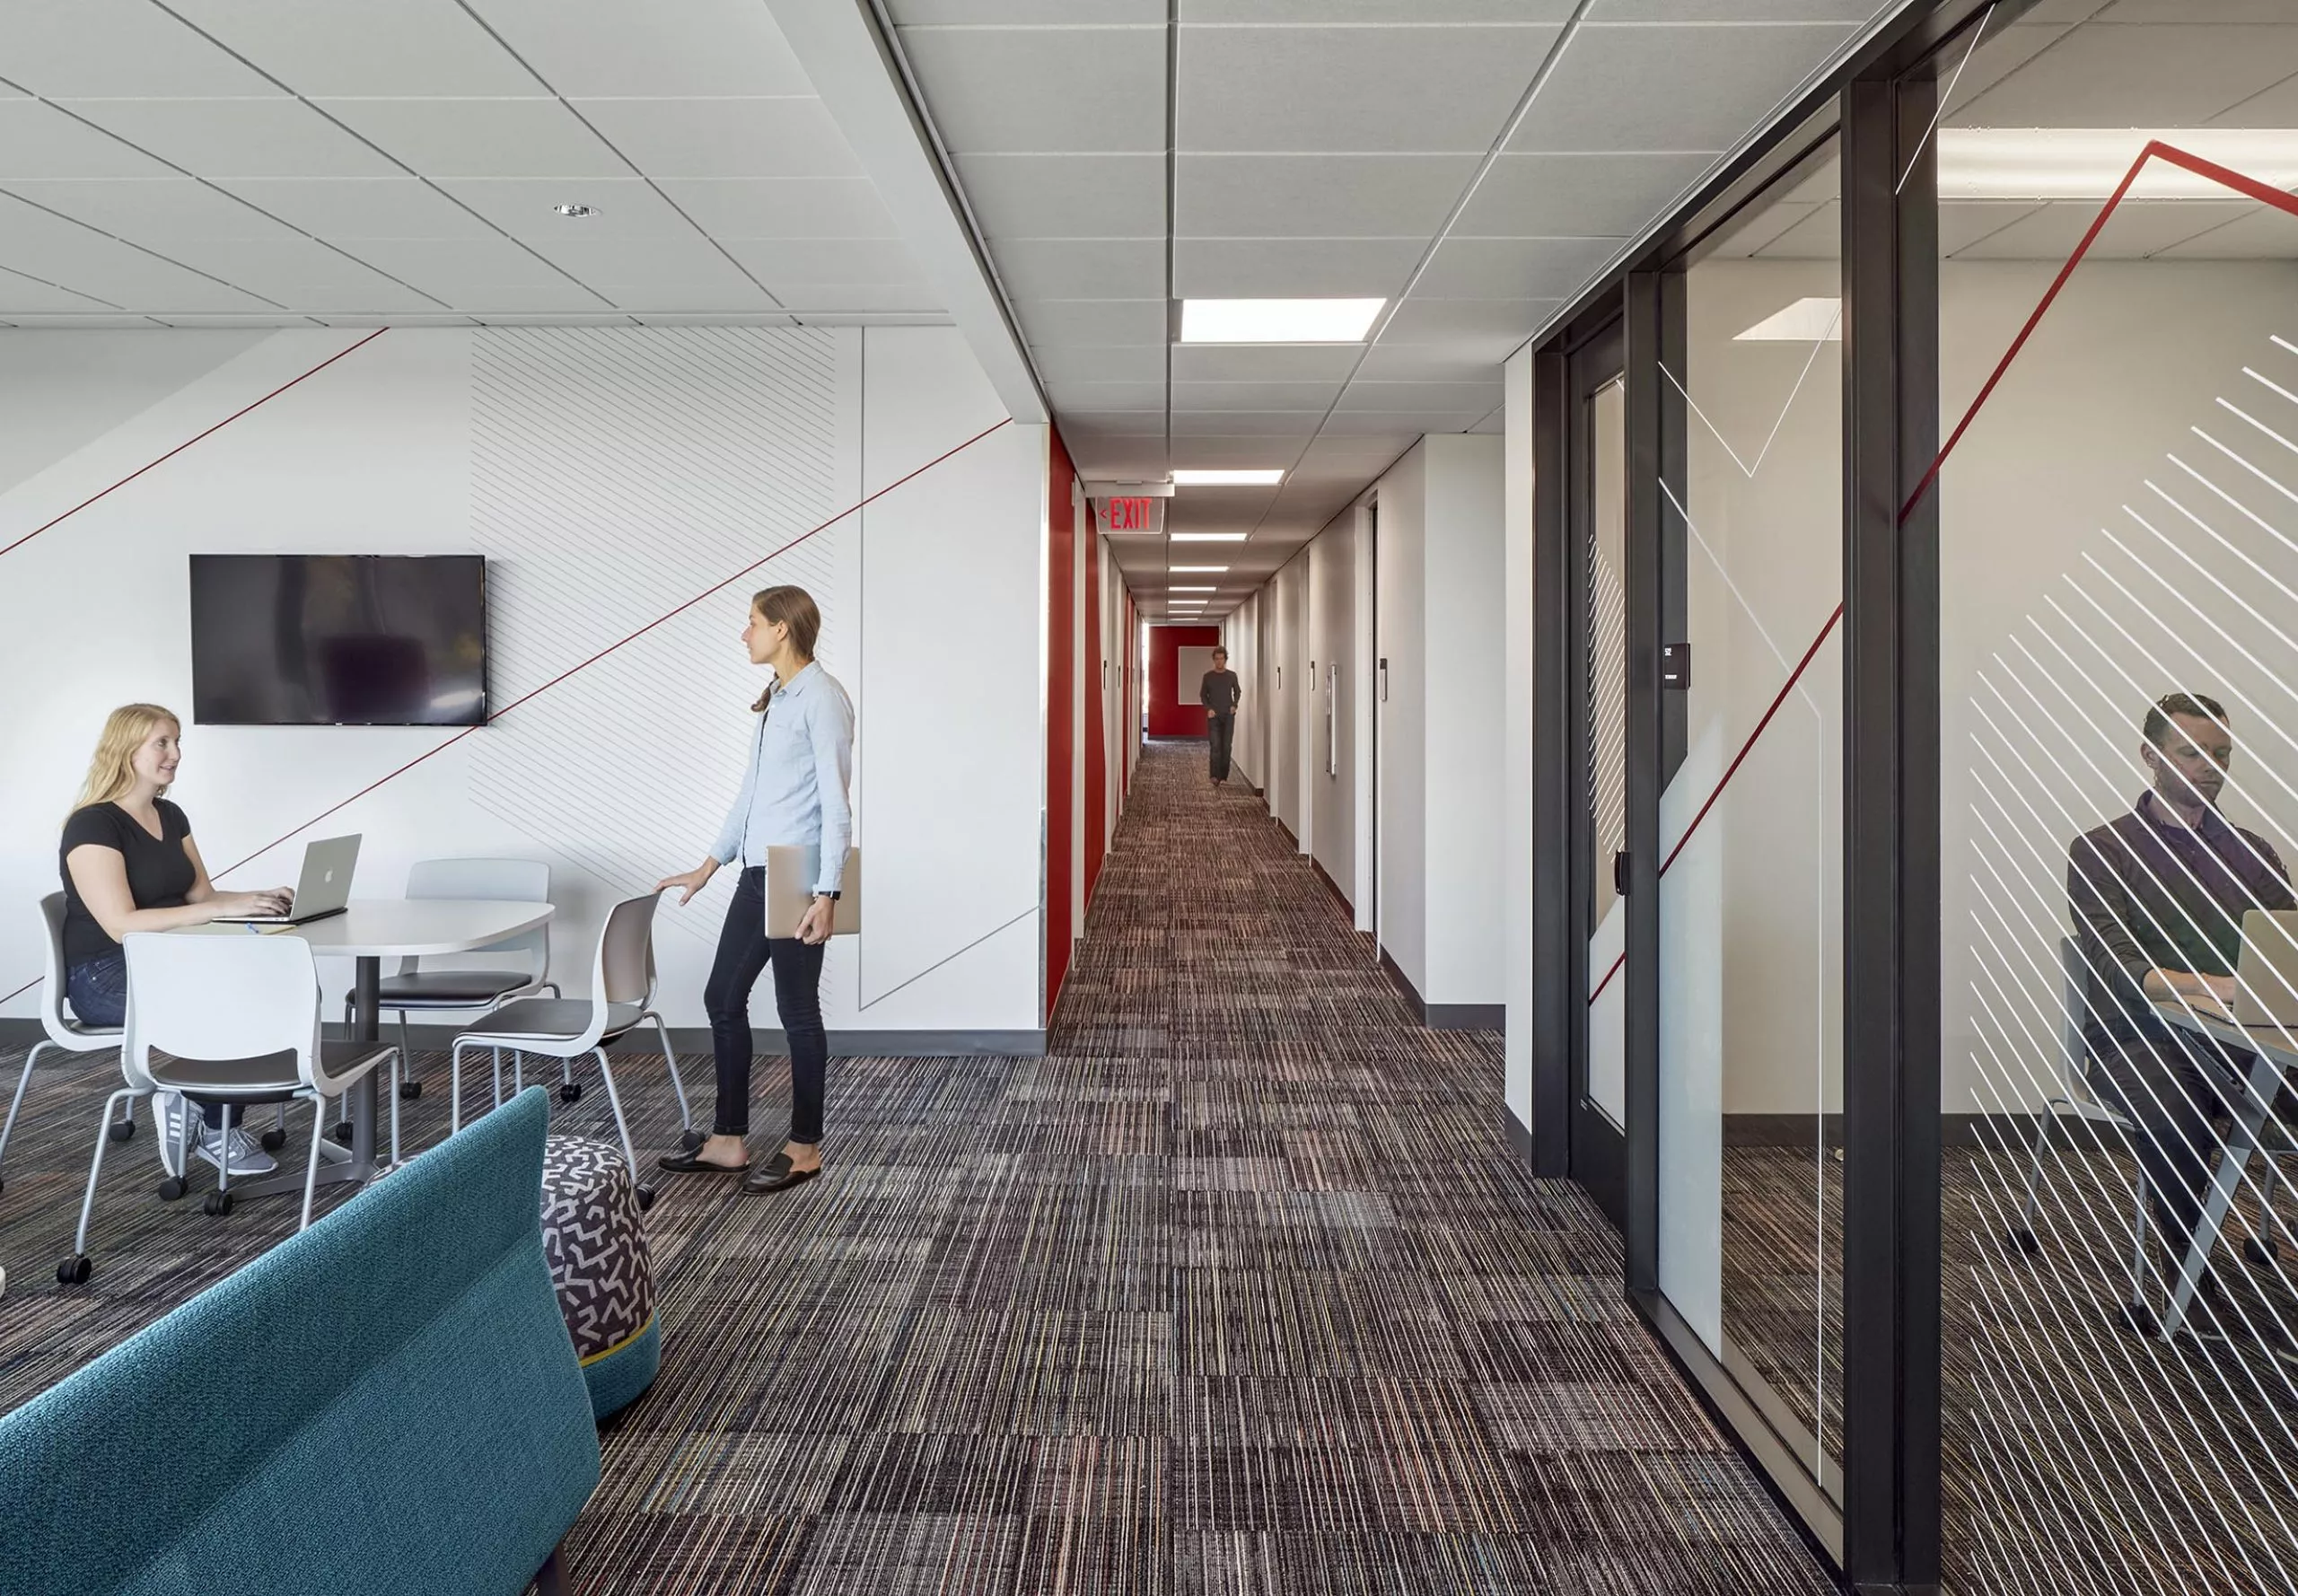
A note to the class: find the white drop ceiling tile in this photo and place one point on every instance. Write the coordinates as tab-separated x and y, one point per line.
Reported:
2275	107
689	262
423	319
1819	236
1339	13
784	208
1071	268
1513	267
237	139
1469	328
1962	223
149	213
828	299
40	141
1066	196
876	262
1239	423
1095	320
1382	423
1747	234
2136	231
1261	196
1696	88
2000	54
494	301
1263	363
2155	76
1025	13
591	48
626	207
107	269
1254	396
1734	11
1582	196
1054	88
784	137
361	208
124	47
1294	267
739	318
1247	89
1113	424
738	293
482	138
2264	234
1398	397
20	293
1419	363
443	266
1113	363
554	318
362	47
1084	399
32	320
294	270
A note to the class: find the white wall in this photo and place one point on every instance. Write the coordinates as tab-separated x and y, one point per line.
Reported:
611	476
1464	634
1517	881
1291	695
1332	644
1401	639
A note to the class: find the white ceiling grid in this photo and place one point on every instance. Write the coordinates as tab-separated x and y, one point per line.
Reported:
1317	149
369	161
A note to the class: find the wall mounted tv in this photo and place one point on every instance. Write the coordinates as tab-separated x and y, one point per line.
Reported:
338	640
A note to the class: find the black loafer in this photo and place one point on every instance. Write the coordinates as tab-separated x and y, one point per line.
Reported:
687	1163
775	1174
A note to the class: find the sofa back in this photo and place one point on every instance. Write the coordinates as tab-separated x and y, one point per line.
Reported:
388	1401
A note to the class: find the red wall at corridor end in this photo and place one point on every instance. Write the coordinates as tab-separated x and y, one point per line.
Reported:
1173	708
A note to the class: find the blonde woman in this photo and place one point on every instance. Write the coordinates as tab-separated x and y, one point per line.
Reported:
128	863
794	791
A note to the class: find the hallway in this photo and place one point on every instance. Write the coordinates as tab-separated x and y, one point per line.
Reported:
1239	1293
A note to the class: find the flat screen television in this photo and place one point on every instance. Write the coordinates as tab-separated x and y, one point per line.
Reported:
338	640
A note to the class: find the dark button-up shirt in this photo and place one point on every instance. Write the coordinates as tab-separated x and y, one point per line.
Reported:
2149	893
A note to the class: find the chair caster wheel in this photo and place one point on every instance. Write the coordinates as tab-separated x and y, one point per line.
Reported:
645	1198
408	1091
571	1091
273	1140
73	1270
2023	1238
121	1129
691	1140
340	1135
218	1204
2260	1252
172	1188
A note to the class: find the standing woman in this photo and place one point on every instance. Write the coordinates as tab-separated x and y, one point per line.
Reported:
802	757
128	863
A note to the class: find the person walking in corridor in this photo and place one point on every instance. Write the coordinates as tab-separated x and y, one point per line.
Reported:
1220	694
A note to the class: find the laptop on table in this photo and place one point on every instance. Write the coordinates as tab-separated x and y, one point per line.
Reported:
321	891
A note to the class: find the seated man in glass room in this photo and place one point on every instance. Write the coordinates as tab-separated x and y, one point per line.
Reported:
2158	896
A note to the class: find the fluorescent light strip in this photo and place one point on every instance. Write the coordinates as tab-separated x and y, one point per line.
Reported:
1191	589
1207	536
2087	163
1195	570
1277	321
1225	478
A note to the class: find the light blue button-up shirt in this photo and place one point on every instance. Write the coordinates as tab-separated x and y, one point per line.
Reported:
793	793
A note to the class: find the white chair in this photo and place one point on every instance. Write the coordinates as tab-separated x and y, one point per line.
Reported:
622	999
232	1020
64	1033
465	990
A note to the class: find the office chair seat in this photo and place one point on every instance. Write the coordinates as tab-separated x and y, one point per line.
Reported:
260	1074
448	988
535	1020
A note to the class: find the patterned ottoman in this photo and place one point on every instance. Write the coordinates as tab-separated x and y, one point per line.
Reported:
598	1261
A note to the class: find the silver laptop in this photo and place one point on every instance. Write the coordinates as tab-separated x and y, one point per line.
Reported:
2266	991
323	890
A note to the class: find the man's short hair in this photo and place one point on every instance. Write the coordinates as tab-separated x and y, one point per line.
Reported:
1222	652
2198	705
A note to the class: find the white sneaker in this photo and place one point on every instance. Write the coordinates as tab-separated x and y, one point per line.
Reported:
247	1155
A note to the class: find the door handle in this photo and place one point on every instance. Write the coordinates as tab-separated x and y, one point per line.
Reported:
1384	681
1620	873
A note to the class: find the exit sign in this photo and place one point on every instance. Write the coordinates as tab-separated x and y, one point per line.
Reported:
1128	515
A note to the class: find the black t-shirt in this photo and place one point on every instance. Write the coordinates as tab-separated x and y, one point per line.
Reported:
159	870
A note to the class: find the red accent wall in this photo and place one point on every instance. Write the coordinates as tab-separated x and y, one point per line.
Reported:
1061	743
1098	687
1132	721
1173	708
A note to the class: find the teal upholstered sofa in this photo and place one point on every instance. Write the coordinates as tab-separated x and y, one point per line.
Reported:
387	1402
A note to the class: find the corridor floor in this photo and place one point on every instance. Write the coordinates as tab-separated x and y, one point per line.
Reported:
1238	1292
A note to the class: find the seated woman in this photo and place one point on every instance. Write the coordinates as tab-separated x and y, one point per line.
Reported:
128	863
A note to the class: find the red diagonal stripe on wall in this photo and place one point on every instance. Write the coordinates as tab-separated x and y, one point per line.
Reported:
2155	150
533	693
187	442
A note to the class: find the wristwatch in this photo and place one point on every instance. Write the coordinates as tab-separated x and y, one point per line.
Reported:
833	897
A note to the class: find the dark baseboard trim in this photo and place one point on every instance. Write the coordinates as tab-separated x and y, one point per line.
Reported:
1467	1016
1281	826
695	1038
1806	1130
1520	1141
1333	887
1403	984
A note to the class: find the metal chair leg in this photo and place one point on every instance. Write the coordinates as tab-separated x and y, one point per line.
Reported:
95	1169
391	1082
312	1166
671	1062
23	1081
614	1101
406	1051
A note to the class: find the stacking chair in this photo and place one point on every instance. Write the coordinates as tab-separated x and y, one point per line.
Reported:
232	1020
63	1032
621	1000
463	991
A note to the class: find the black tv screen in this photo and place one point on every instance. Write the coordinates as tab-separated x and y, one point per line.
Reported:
338	640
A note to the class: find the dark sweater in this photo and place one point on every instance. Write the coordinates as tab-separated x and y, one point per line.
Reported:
1220	692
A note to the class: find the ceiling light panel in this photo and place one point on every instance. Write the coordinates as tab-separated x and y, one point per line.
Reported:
2087	162
1209	537
1196	570
1277	321
1806	322
1226	478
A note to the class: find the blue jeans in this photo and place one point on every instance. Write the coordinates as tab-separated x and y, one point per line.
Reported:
98	991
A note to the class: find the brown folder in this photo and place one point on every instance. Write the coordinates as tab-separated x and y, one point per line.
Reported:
791	873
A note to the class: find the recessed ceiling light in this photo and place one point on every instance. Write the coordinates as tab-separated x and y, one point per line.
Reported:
1190	588
1196	570
574	210
2087	162
1226	478
1277	321
1806	322
1208	536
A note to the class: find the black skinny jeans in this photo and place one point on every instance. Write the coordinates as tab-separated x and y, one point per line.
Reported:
1222	730
744	950
2177	1097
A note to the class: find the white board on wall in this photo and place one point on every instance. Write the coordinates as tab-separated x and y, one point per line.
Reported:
1195	661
